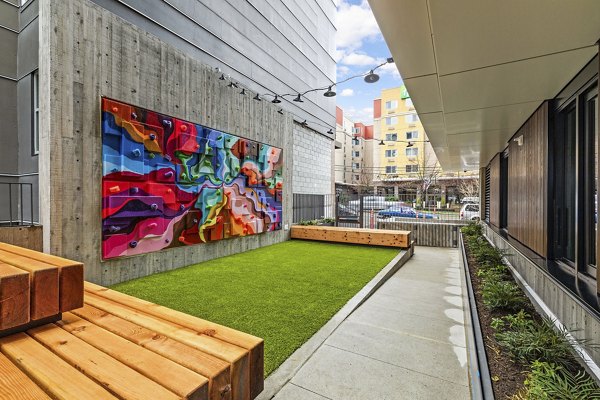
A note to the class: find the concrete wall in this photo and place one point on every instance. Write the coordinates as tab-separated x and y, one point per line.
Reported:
87	52
313	165
282	45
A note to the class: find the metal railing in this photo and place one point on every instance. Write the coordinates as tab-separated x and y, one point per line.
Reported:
16	204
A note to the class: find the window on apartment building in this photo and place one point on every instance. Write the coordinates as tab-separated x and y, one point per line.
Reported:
411	118
408	102
356	130
412	152
390	169
355	141
391	137
390	153
356	177
35	115
355	165
412	168
391	120
575	198
356	154
411	135
389	105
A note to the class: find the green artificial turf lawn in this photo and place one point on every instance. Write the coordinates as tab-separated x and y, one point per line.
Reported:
282	293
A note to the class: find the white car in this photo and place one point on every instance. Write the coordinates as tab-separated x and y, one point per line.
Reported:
470	212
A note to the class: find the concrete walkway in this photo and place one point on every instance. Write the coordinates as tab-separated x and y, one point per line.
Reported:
407	341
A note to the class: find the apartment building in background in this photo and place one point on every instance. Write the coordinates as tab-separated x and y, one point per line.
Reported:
179	59
405	164
354	155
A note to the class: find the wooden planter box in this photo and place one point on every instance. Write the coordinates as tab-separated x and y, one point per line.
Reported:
374	237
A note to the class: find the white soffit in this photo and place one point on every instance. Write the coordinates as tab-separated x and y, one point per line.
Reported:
494	62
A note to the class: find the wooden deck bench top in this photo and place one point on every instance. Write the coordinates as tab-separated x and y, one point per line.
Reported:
375	237
120	347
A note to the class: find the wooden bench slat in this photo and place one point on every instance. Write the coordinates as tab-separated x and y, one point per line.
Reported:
253	344
119	379
14	297
15	385
390	238
213	368
44	297
50	372
70	275
161	370
236	356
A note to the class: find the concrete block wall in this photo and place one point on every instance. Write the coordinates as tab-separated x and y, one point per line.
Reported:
313	162
87	52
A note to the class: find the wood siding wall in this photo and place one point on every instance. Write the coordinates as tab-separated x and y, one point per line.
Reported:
87	52
428	233
495	191
527	183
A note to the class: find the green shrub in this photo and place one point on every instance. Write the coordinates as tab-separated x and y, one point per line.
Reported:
306	222
549	381
494	274
473	229
505	295
527	340
391	198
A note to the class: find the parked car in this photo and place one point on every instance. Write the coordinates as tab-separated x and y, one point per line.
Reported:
404	212
470	212
470	200
373	203
346	212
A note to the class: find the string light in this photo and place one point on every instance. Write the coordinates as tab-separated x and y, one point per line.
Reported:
369	77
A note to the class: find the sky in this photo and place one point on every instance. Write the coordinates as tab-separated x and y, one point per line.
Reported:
360	47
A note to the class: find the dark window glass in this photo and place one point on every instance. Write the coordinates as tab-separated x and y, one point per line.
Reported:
590	127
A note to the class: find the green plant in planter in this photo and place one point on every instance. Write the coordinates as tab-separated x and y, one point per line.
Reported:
498	273
473	229
549	381
527	340
501	294
306	222
327	220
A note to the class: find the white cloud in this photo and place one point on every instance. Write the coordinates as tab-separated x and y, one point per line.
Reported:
390	69
358	59
342	71
364	115
347	92
355	23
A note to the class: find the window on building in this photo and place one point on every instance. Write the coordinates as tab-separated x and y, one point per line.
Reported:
408	102
35	123
412	168
355	141
411	135
356	130
411	118
390	105
391	137
356	177
390	153
391	120
390	169
355	165
356	154
412	151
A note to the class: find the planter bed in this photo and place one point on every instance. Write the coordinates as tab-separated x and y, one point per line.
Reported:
508	371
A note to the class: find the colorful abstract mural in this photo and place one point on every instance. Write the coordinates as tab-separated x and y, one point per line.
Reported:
168	182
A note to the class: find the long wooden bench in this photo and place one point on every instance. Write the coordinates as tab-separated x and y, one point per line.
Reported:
374	237
120	347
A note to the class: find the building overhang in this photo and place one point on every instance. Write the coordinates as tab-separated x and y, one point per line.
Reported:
477	69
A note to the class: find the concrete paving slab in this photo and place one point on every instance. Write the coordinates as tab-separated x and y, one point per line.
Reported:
403	350
343	375
406	341
293	392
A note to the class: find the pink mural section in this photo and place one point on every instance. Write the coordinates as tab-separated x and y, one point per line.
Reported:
169	182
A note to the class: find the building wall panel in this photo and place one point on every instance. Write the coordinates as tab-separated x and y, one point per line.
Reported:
88	52
527	182
495	191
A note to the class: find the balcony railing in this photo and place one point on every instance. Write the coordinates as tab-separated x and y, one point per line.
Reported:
16	204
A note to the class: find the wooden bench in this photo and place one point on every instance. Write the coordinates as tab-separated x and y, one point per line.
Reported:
374	237
120	347
36	288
